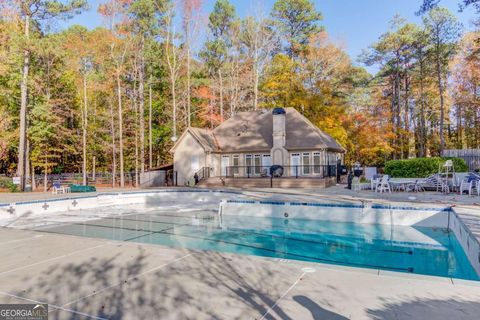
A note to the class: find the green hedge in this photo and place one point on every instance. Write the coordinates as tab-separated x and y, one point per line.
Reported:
7	183
420	167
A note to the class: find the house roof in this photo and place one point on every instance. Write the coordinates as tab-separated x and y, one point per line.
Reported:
252	131
205	138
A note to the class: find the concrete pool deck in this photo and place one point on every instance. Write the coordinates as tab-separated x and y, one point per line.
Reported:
85	278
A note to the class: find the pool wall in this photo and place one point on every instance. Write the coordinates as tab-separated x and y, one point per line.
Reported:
415	216
237	203
168	197
356	213
467	239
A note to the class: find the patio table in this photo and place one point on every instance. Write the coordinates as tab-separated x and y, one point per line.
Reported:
401	185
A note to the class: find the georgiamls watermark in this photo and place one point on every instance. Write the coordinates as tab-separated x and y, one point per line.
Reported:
23	311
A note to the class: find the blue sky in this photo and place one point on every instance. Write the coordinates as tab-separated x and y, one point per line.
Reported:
354	23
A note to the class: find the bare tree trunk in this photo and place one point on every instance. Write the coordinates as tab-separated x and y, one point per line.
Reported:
45	172
189	110
84	128
34	182
393	116
142	105
221	94
442	107
150	135
94	171
398	111
174	103
172	59
460	131
255	72
422	110
23	109
255	88
114	151
135	108
27	161
406	117
120	130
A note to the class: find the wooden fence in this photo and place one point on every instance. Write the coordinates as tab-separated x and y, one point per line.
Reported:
471	156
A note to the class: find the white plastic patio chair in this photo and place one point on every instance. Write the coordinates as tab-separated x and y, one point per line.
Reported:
384	185
57	188
466	185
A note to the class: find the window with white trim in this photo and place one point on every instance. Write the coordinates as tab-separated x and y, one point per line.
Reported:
257	163
317	168
236	163
248	164
306	162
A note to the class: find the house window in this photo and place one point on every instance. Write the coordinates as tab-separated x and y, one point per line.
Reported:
236	163
317	169
257	163
306	162
248	164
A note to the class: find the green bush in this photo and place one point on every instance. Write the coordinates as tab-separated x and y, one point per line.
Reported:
420	167
8	184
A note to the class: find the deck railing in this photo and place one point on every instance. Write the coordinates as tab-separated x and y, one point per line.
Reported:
203	173
300	171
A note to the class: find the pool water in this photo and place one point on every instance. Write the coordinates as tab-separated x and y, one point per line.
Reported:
420	250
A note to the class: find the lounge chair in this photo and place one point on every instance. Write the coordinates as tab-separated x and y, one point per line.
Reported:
434	182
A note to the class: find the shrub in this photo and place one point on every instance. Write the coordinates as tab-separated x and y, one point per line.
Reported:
420	167
8	184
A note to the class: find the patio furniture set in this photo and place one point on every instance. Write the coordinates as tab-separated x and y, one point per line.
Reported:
460	182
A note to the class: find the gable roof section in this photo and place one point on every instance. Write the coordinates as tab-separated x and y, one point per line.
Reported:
252	131
303	134
203	136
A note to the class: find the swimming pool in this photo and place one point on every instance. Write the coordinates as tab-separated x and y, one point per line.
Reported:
411	249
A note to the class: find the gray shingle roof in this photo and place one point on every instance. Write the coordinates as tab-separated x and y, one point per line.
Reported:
252	131
205	137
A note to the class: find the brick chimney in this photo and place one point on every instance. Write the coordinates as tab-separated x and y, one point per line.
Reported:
279	153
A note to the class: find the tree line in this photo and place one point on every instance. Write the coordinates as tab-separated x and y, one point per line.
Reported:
116	98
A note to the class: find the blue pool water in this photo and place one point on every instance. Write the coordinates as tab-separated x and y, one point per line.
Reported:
429	251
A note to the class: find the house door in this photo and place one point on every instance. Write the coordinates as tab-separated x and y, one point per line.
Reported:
225	164
295	168
266	163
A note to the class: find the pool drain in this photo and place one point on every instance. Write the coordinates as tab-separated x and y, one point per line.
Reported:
285	215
